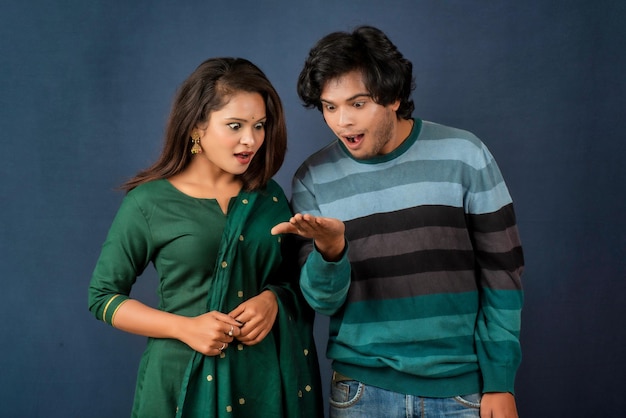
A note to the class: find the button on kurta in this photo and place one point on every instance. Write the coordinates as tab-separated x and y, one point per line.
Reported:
244	201
224	264
209	378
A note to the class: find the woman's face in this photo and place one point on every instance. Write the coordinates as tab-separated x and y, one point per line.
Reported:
232	135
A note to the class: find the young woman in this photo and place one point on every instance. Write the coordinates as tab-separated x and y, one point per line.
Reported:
231	336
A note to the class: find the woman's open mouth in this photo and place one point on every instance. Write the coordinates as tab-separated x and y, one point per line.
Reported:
244	157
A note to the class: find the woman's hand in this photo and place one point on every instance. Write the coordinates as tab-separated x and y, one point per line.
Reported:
257	315
209	333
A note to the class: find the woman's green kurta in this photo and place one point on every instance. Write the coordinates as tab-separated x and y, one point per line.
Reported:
206	261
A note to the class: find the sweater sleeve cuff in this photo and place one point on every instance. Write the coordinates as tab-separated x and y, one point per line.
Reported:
498	378
329	269
324	283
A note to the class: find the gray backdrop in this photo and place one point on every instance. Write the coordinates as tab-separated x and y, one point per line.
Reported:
85	88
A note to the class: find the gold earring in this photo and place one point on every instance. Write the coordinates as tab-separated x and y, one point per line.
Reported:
195	138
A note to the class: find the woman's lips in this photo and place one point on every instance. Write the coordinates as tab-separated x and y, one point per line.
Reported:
244	157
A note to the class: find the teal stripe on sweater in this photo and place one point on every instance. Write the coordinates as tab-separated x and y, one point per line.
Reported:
406	331
429	183
389	310
503	299
445	347
403	173
510	319
413	355
392	199
454	149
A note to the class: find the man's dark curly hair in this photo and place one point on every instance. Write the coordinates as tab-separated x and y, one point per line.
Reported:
387	75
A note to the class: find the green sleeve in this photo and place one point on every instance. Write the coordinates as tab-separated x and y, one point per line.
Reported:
125	254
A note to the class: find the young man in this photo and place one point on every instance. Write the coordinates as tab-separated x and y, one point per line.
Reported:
413	247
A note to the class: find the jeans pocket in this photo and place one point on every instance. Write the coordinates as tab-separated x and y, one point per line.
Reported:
346	393
470	401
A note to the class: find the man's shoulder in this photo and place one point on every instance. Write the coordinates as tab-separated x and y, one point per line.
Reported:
326	156
329	153
438	131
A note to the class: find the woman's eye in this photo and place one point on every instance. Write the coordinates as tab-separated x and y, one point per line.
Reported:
259	126
234	125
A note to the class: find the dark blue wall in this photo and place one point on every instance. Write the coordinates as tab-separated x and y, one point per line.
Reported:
85	87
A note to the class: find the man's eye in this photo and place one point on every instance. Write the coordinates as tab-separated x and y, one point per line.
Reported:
234	126
330	108
359	104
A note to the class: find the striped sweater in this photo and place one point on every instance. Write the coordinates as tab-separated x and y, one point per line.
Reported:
427	297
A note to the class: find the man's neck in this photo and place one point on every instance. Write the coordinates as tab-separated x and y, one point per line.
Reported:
403	130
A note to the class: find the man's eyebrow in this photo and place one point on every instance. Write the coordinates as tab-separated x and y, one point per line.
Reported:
349	99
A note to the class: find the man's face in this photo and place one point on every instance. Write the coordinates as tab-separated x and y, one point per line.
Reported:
366	128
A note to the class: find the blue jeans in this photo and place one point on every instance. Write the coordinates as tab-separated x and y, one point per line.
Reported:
351	399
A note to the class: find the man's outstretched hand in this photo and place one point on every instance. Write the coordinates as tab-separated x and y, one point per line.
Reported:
328	233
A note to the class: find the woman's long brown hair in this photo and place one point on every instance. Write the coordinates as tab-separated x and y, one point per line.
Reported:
206	90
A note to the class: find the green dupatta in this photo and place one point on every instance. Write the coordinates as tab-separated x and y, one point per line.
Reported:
279	376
